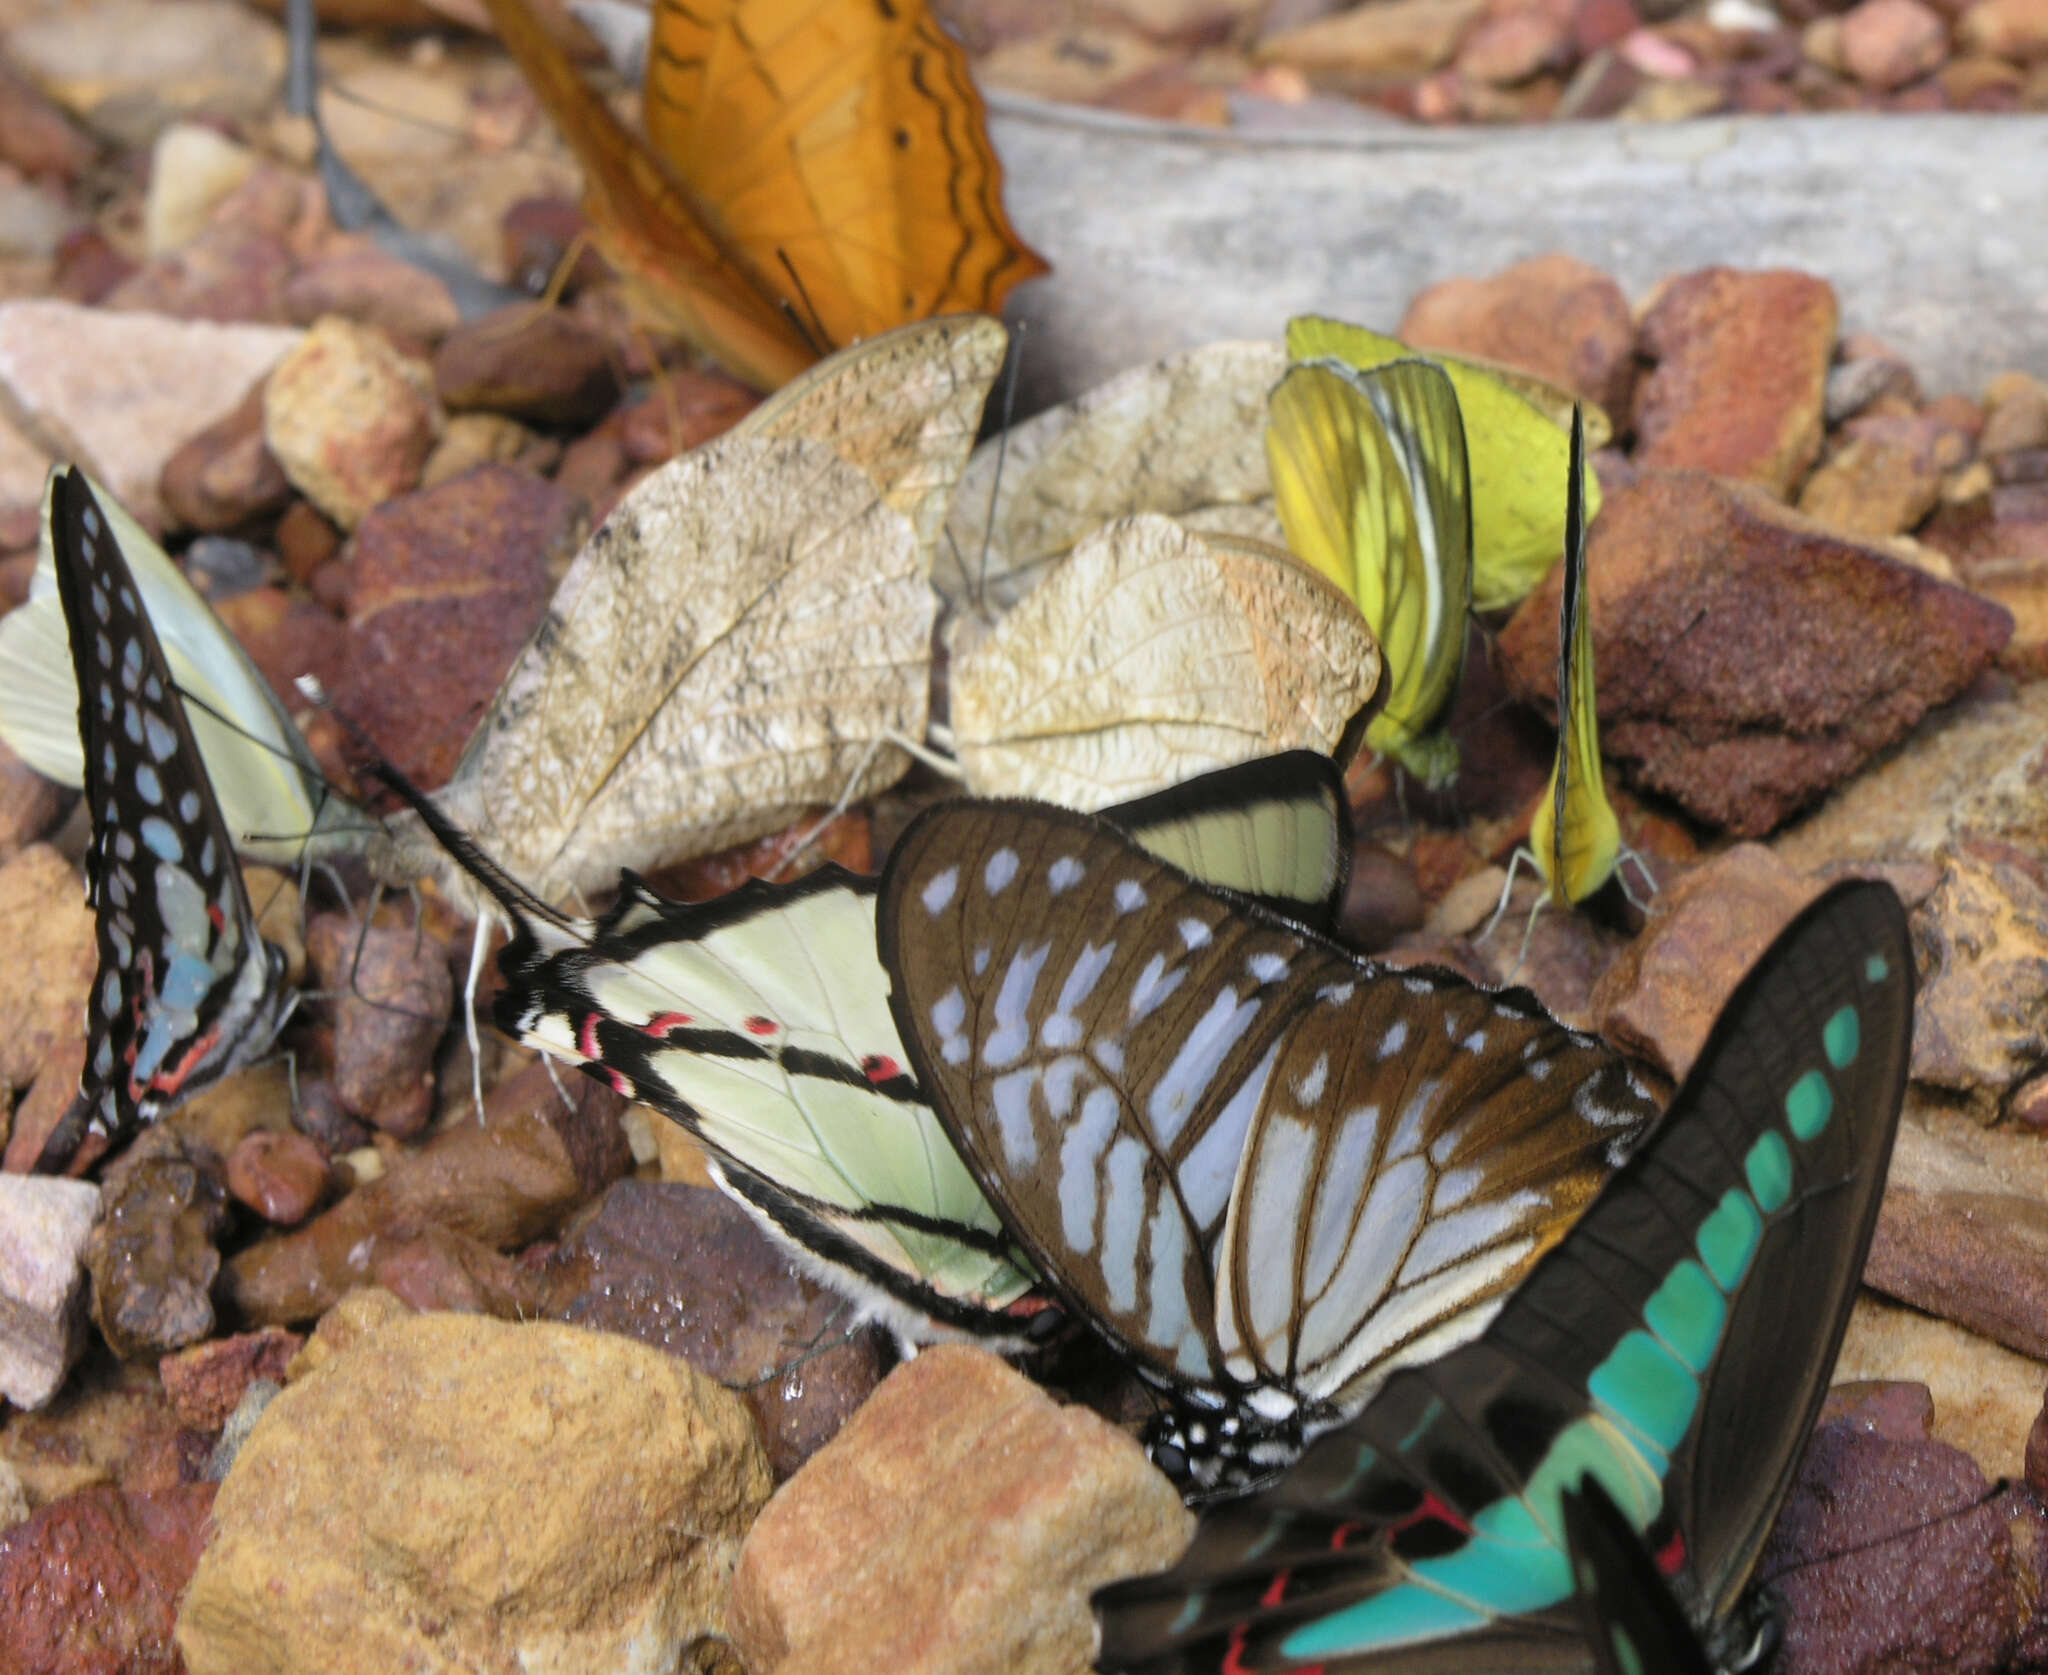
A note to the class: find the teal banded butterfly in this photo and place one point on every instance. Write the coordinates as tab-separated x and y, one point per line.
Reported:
275	802
1266	1170
1675	1346
185	990
1632	1621
760	1022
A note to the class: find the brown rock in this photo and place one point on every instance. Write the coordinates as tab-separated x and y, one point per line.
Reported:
229	273
206	1383
2016	30
89	267
1022	1508
1985	1396
152	1257
1981	1012
627	1477
286	636
225	476
1551	315
685	1269
1859	380
350	419
539	364
43	1107
44	1226
686	410
1741	374
30	805
2037	1455
91	1582
1382	899
502	1185
1392	38
282	1177
1749	658
361	281
36	137
1887	43
323	1119
594	464
473	439
1976	82
304	540
2017	415
1509	48
439	1268
466	569
47	930
1659	999
395	993
1999	544
1882	481
537	236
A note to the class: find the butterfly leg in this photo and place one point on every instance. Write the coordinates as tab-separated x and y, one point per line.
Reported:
479	942
1506	890
1643	868
938	764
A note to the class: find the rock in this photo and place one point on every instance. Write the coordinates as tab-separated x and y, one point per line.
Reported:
128	67
89	268
361	1311
1022	1507
1391	38
2016	30
191	168
91	1582
1749	658
152	1256
1985	1396
225	477
1964	1229
1382	899
473	439
1659	999
538	235
44	1225
394	994
323	1119
36	137
206	1383
1884	479
1740	380
286	636
304	540
1887	43
43	1107
1889	1555
282	1177
539	364
1075	64
1983	1005
34	220
13	1498
466	568
127	391
2016	415
686	410
1999	545
361	281
544	1498
1551	315
502	1186
2037	1454
1856	383
30	805
685	1270
47	930
1507	48
350	419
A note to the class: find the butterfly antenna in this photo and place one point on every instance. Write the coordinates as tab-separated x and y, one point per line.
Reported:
813	329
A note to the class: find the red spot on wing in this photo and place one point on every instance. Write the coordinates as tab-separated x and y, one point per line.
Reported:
1433	1510
661	1023
171	1080
880	1067
215	917
1671	1556
1276	1590
761	1026
1233	1660
586	1036
1343	1534
620	1085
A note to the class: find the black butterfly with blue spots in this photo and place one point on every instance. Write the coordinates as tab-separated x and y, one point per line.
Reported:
186	990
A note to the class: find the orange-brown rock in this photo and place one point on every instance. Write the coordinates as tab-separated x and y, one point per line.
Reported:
1741	372
1551	315
47	929
1887	43
225	476
2016	30
1365	43
542	365
206	1383
1020	1508
1747	657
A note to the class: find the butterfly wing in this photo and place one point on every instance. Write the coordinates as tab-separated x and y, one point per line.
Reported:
185	990
841	146
1574	835
1515	430
1633	1624
1371	483
1675	1345
270	790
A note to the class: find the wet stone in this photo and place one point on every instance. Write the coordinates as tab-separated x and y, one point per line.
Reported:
153	1258
395	993
282	1177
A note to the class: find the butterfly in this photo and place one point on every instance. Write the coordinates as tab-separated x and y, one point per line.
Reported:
273	798
1515	434
759	1021
1675	1345
1632	1622
1265	1170
812	174
1150	654
738	640
186	990
1574	838
1370	480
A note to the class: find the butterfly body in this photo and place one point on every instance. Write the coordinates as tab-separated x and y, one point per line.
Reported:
1674	1345
186	990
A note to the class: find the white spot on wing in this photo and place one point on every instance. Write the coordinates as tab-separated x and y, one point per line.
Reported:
1064	874
1130	895
938	890
1001	868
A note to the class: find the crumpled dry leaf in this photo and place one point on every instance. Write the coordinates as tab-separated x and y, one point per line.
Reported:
1151	654
1184	436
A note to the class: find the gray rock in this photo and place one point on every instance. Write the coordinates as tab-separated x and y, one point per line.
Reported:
43	1228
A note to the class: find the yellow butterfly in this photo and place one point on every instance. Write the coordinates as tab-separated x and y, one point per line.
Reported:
1514	429
1574	839
1371	484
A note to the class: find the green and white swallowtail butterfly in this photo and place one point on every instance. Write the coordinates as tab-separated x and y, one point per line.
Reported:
1268	1170
760	1022
271	794
1674	1346
186	990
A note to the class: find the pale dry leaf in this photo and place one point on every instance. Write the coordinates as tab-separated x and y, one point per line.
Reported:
721	656
1151	654
1184	436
